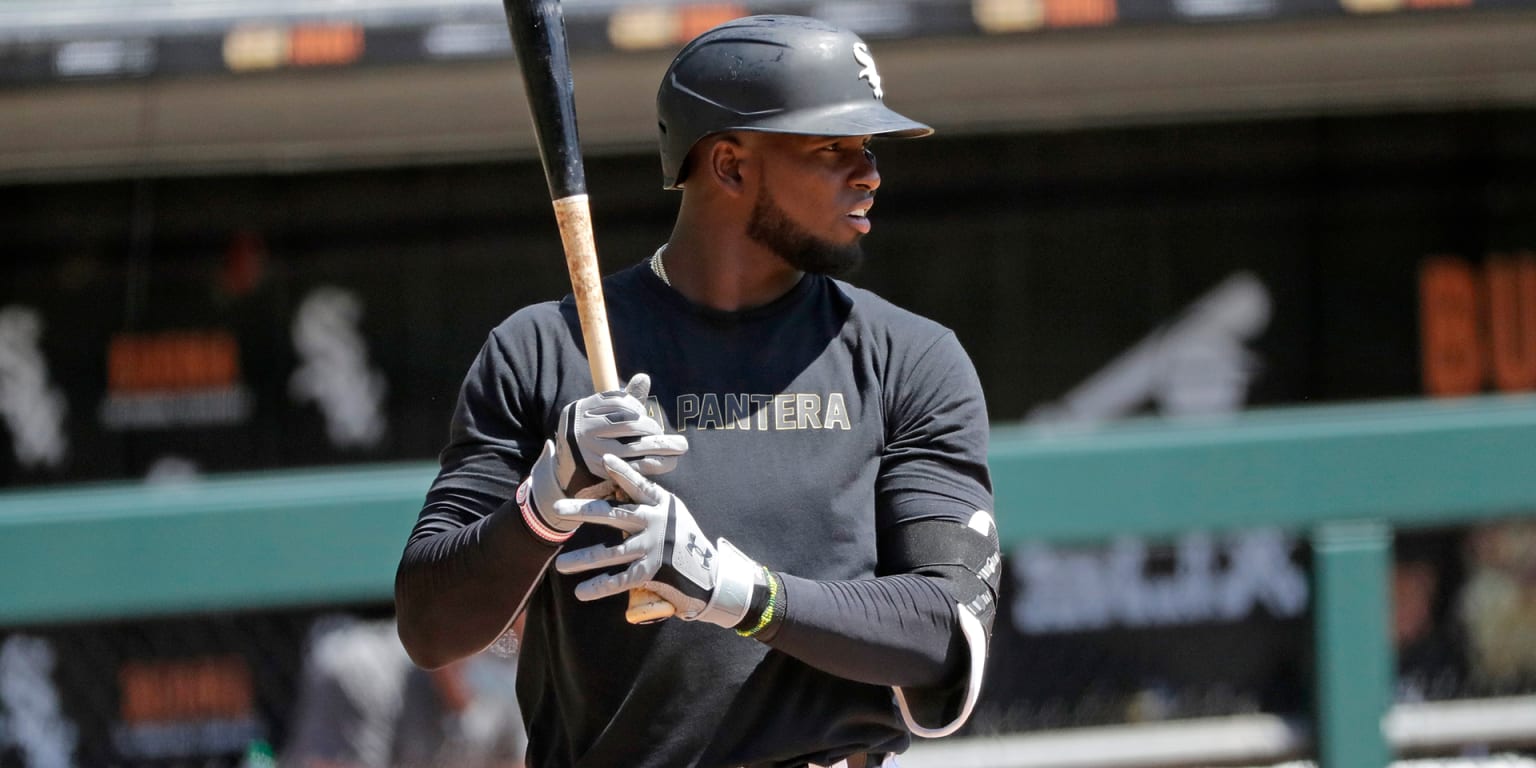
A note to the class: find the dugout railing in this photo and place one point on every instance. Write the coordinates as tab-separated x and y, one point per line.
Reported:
1345	476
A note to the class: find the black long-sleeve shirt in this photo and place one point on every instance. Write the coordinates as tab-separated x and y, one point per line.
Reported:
814	423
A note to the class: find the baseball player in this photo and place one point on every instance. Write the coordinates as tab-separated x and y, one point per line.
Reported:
804	465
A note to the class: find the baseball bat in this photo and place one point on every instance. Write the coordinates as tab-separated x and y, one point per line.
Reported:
538	38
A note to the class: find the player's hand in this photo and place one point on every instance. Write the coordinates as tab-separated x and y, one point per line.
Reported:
612	423
665	551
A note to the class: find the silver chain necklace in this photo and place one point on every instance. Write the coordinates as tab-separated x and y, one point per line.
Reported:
659	268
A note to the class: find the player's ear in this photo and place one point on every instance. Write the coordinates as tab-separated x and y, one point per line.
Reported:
725	160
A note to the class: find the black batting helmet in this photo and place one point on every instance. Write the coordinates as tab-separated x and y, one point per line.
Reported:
780	74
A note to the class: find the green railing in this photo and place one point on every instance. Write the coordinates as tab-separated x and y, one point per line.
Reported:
1345	476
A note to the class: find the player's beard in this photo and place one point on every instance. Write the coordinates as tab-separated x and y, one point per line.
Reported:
771	226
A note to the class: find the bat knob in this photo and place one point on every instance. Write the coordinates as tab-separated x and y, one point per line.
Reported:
647	607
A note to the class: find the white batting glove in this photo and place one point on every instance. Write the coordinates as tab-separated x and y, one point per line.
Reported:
665	551
612	423
607	423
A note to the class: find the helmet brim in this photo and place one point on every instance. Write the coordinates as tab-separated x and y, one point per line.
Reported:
870	118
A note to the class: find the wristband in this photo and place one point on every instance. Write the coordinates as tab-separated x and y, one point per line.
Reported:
759	604
534	520
769	609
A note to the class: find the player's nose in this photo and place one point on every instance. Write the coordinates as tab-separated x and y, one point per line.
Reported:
866	175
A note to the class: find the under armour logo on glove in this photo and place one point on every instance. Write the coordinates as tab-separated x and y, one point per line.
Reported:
665	552
703	555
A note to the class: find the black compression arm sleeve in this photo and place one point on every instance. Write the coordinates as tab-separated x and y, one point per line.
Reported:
893	630
458	588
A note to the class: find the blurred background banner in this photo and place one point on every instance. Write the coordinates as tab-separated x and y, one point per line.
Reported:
1250	285
67	40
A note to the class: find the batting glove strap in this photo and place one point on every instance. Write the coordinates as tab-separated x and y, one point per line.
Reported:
735	578
534	521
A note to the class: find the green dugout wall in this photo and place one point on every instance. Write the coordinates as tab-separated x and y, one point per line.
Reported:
1345	476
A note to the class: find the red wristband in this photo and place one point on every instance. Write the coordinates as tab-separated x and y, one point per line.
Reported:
534	521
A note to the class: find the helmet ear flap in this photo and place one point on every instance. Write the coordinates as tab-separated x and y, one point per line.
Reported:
674	176
689	161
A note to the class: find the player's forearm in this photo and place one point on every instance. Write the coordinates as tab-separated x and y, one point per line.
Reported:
458	589
894	630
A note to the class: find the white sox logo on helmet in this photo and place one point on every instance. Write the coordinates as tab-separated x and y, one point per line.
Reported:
862	55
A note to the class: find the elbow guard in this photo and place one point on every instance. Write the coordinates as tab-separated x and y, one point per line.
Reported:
966	559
